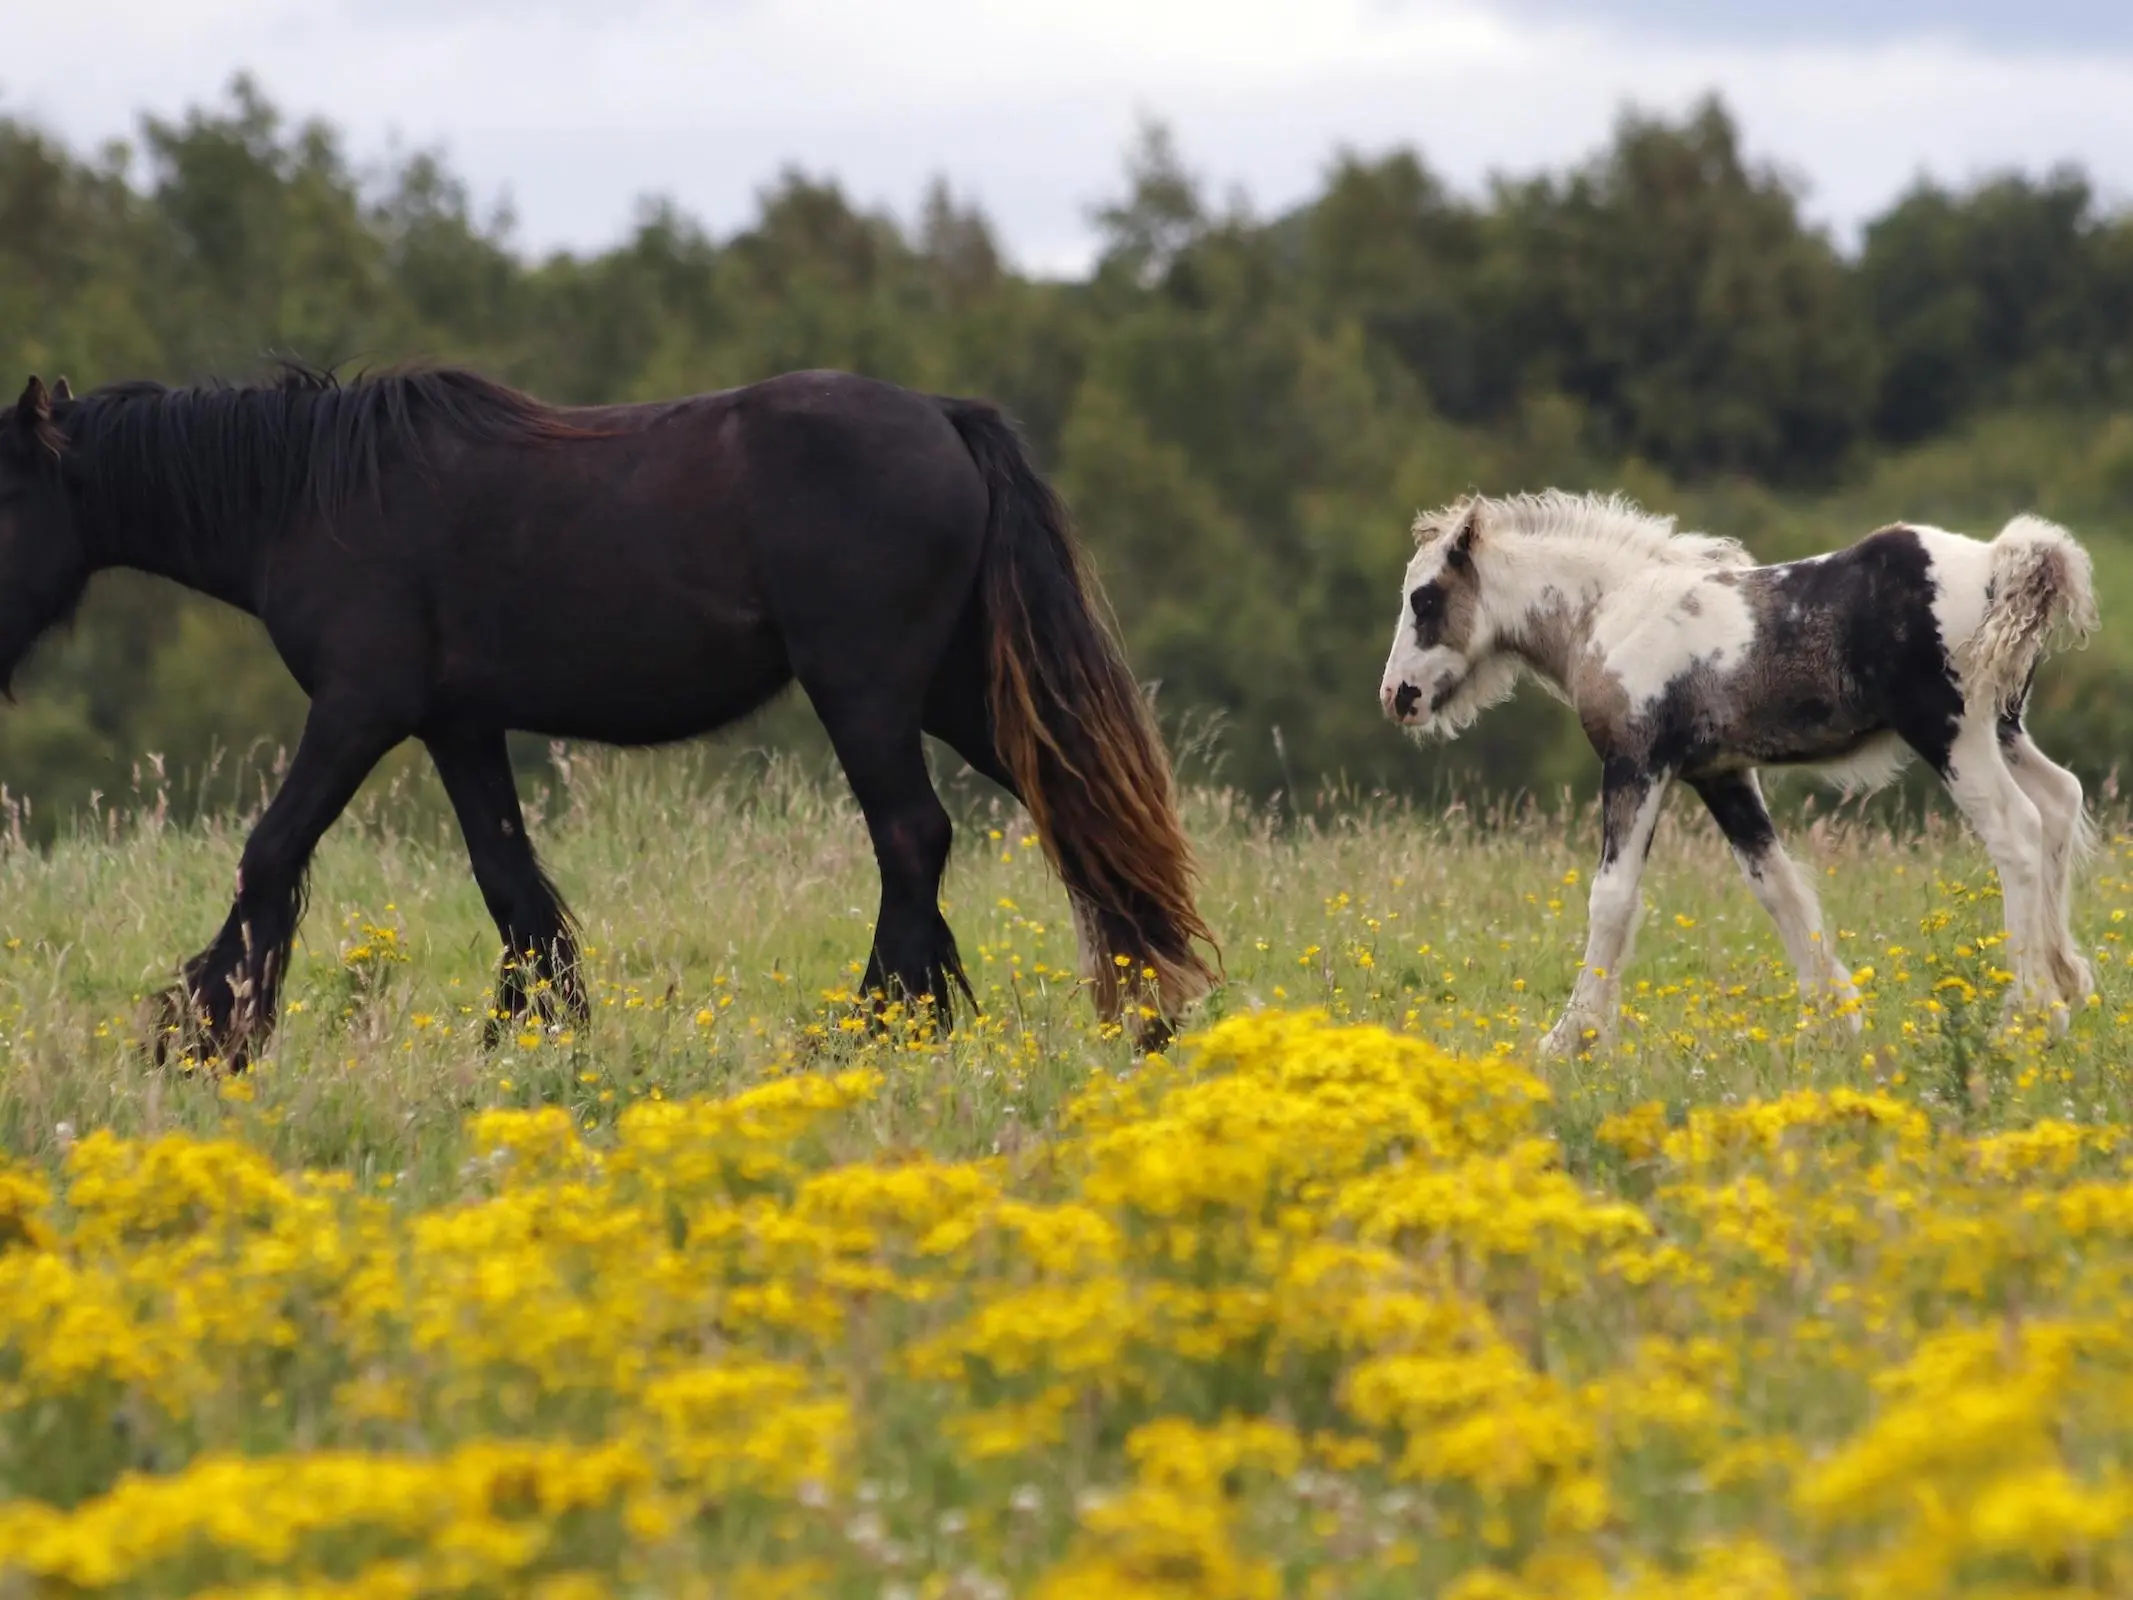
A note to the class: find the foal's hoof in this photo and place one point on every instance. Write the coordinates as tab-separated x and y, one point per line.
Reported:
1573	1036
2056	1014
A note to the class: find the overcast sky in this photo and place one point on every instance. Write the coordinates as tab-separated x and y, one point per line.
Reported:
574	108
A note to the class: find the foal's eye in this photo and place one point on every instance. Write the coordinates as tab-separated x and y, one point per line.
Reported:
1428	603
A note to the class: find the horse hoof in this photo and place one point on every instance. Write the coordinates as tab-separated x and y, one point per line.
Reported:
173	1027
1153	1036
184	1037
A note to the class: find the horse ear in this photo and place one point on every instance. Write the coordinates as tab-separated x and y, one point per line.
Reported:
33	426
62	390
1461	550
35	406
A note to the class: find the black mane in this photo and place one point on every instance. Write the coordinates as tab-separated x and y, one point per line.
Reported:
205	466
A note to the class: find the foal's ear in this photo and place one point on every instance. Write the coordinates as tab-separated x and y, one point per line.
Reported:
1461	550
62	390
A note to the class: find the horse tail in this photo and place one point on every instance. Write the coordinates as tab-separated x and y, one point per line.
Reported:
2038	593
1072	729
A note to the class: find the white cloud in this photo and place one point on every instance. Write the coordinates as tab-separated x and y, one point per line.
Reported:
576	109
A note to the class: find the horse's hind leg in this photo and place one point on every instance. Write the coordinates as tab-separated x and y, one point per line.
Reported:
2056	793
227	1000
540	953
957	714
2011	827
914	956
1735	801
956	710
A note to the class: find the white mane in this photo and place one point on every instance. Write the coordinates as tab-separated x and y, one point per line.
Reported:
1611	522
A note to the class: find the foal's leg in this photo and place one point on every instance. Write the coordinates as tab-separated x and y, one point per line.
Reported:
914	956
2056	793
540	952
1629	811
226	1002
1735	801
2012	829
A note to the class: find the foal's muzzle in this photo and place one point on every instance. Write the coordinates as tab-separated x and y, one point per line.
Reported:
1402	700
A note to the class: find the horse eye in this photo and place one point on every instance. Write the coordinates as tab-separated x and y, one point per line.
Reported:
1428	603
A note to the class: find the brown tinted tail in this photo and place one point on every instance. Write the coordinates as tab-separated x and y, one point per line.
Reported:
1071	727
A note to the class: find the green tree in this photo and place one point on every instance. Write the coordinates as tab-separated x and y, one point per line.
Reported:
1243	410
2013	291
1673	289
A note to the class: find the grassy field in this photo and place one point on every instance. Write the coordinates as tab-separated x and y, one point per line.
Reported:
722	1295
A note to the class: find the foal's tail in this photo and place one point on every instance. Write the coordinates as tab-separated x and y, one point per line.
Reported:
1072	729
2037	593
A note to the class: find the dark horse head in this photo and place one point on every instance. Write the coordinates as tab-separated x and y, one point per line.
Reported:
44	553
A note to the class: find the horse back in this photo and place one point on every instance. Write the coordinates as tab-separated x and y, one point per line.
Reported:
647	576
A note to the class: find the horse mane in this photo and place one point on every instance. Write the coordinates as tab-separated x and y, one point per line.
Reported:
1611	522
219	463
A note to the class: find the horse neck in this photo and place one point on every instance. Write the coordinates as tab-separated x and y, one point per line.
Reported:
225	568
1545	592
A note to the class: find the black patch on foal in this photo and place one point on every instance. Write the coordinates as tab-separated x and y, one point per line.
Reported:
1738	809
1427	604
1845	649
2010	725
1894	649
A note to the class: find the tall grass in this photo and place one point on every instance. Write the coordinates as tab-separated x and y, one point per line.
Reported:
726	916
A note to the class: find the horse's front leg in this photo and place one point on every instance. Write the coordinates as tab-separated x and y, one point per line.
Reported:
1630	800
226	1003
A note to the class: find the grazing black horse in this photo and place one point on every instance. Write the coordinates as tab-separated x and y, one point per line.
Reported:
437	556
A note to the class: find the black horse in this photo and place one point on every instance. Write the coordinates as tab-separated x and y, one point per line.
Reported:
437	556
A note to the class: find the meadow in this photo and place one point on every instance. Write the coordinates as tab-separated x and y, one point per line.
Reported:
725	1294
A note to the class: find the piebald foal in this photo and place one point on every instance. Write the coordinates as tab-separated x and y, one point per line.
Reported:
1683	659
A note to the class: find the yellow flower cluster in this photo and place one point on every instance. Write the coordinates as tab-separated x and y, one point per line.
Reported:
1310	1309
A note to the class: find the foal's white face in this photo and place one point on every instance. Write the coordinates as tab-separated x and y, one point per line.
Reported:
1441	635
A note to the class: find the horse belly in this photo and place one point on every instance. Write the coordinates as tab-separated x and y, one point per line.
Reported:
1810	734
663	678
1873	763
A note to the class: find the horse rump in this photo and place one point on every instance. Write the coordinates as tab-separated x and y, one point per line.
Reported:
1072	729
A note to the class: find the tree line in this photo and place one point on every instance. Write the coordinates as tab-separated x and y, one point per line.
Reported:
1244	410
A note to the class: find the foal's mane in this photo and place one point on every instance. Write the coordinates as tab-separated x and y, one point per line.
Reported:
216	463
1611	522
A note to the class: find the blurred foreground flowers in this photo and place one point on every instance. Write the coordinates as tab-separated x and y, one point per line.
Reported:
1310	1309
